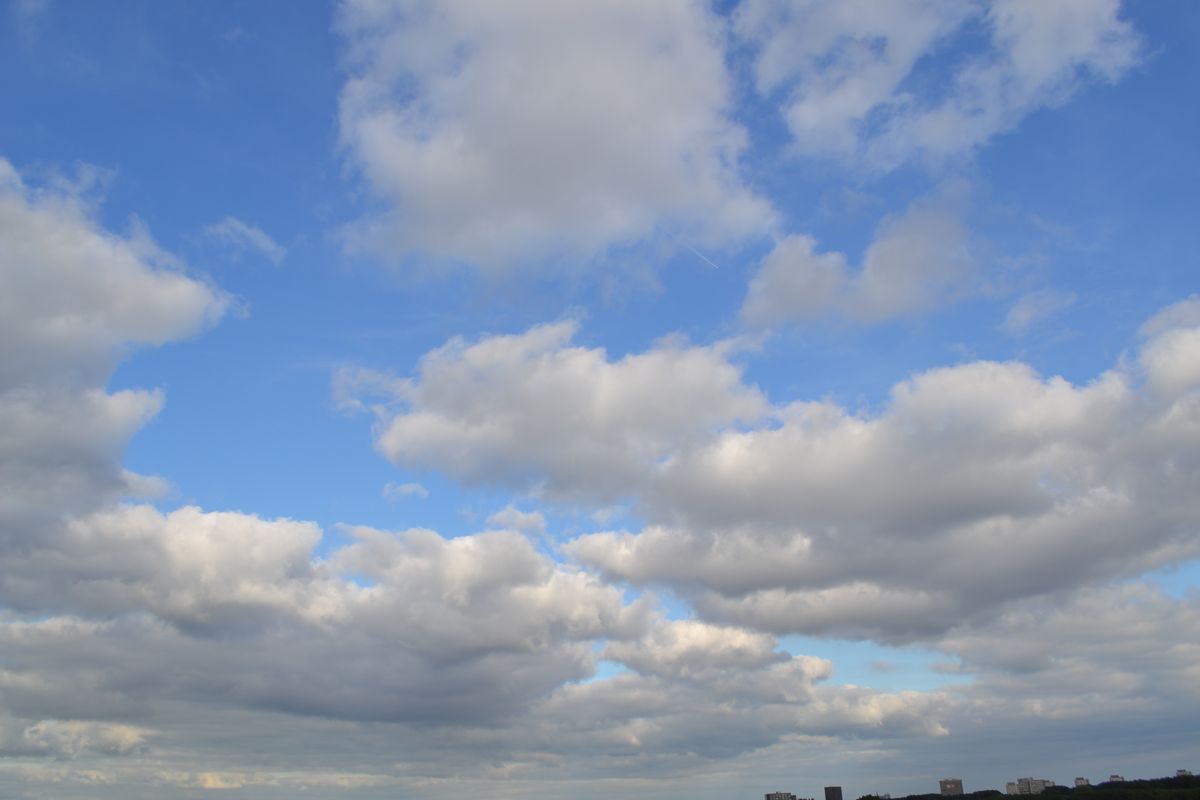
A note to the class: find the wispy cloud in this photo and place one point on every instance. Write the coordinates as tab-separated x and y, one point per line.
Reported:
245	237
395	492
1033	307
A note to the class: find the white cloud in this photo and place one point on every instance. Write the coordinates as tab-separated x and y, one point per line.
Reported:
72	295
478	642
965	514
806	517
476	627
497	135
699	692
1182	314
917	261
837	62
489	686
243	236
73	299
515	519
534	411
849	72
878	527
689	648
1172	362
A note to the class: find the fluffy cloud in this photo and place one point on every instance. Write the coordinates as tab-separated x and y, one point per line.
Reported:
1182	314
689	648
806	517
850	73
518	520
195	569
477	643
495	135
73	299
127	629
697	692
879	527
73	295
919	260
472	627
534	411
837	62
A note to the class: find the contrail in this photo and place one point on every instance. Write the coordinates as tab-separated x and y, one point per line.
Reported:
703	257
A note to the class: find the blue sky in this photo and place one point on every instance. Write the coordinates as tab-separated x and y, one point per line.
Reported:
644	398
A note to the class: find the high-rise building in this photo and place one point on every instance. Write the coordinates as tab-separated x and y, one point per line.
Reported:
950	787
833	793
1082	782
1029	785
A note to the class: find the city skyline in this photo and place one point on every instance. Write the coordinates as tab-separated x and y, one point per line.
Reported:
951	787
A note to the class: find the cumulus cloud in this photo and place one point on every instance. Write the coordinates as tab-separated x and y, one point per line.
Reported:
73	298
805	517
74	294
518	520
917	261
497	135
195	569
851	81
242	236
473	627
478	642
533	411
1172	361
698	692
877	527
114	613
1182	314
689	647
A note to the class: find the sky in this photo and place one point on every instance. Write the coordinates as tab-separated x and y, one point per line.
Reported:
603	399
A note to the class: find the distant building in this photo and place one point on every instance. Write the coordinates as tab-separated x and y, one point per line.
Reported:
833	793
1028	785
1183	773
1116	779
1082	782
779	796
950	787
